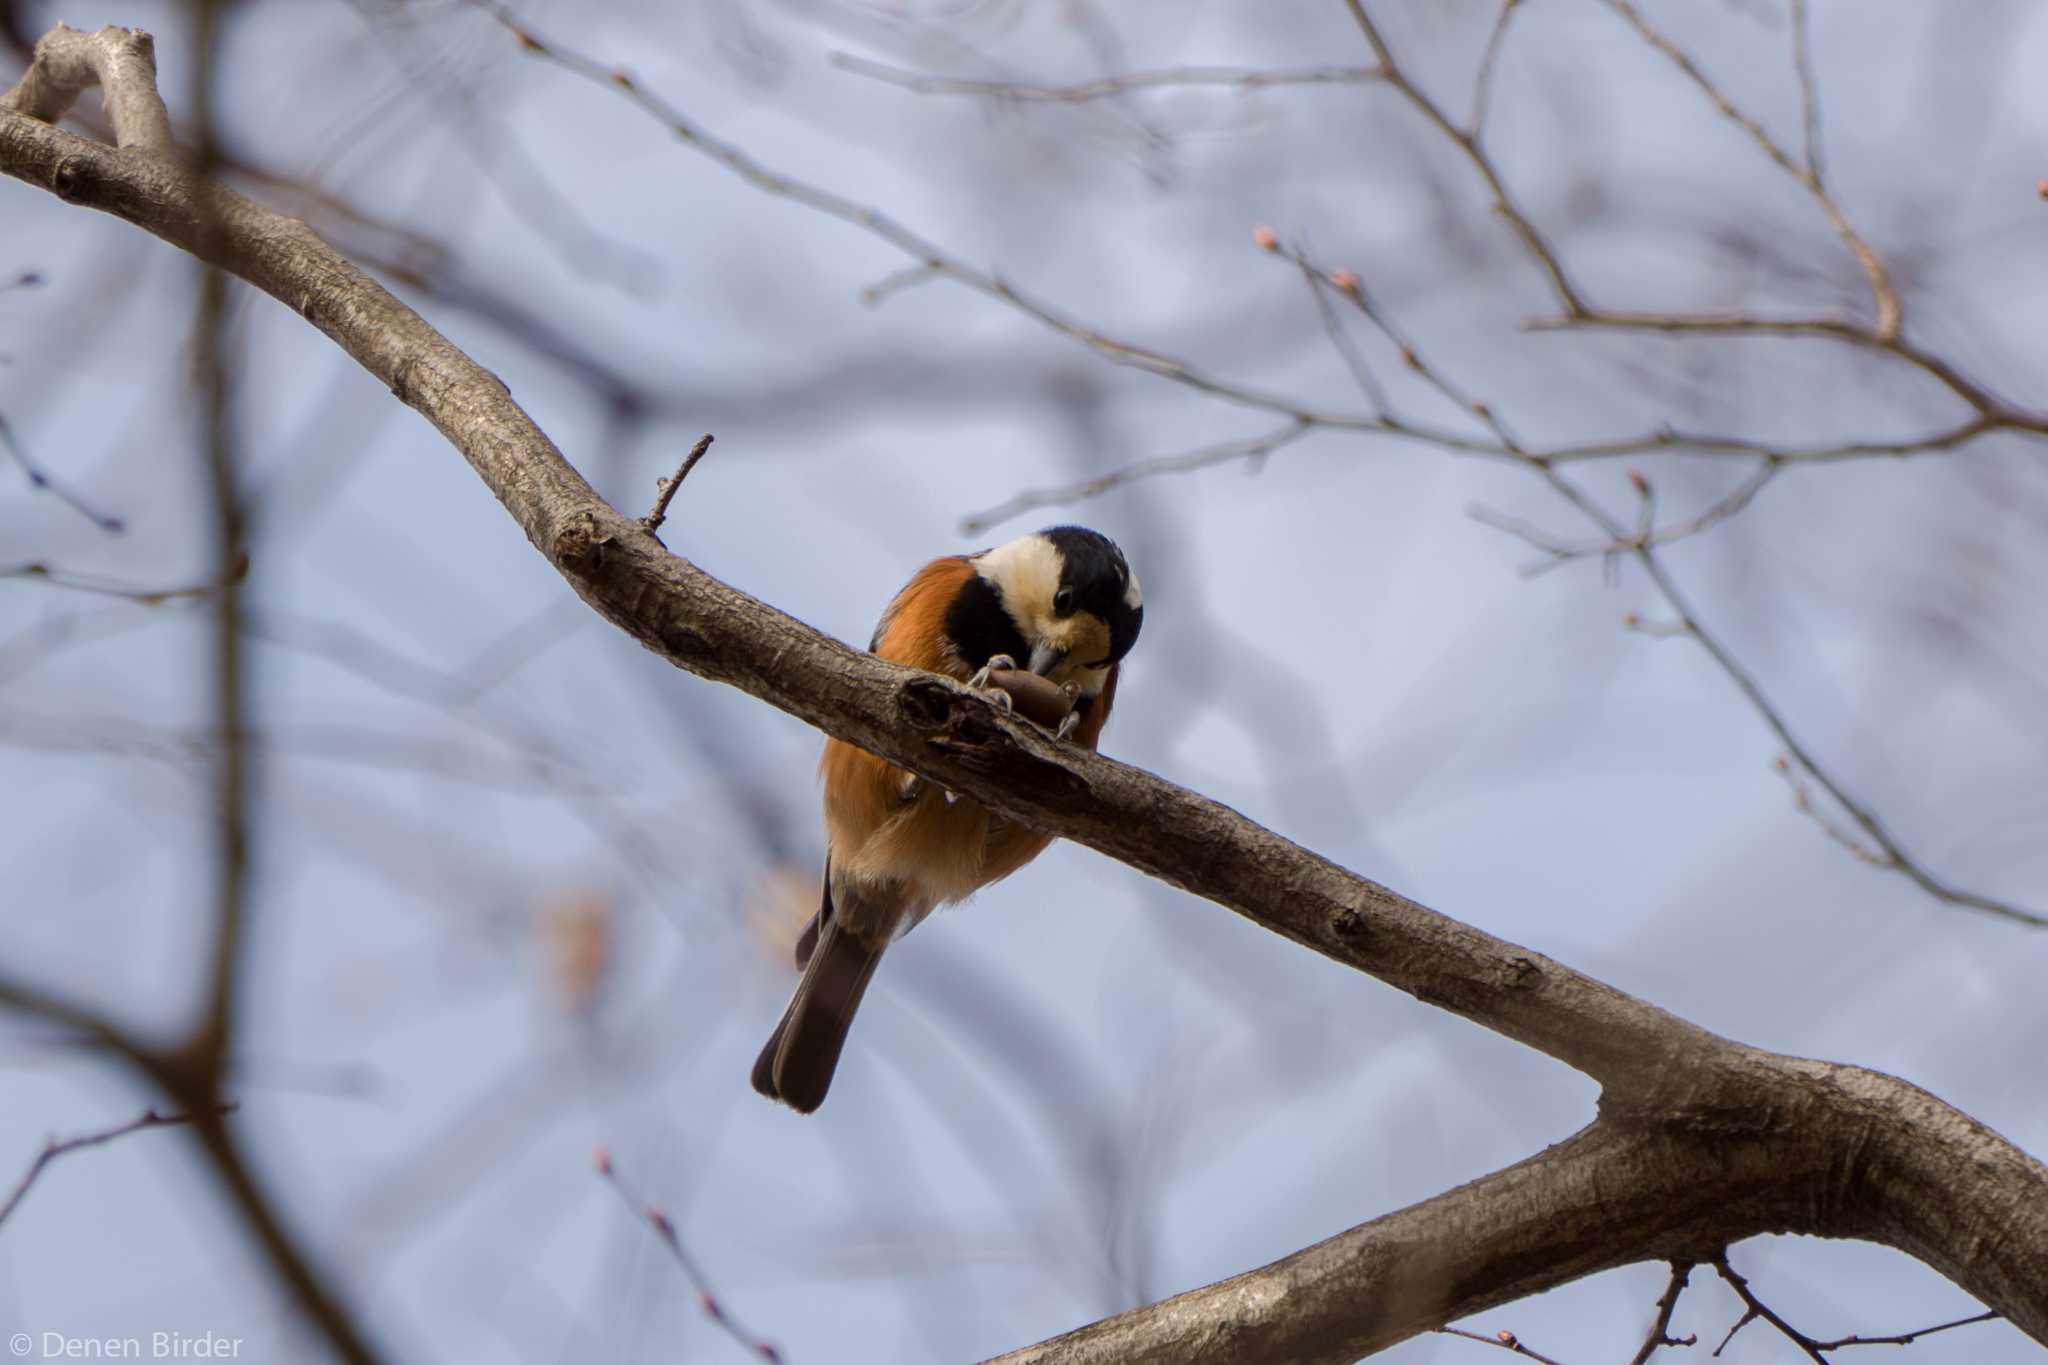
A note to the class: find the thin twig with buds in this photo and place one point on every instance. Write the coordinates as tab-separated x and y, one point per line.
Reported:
665	1229
1504	1339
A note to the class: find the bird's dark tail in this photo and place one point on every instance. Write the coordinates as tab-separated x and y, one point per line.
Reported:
797	1064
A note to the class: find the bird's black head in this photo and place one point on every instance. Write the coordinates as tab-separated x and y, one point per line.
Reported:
1096	578
1062	601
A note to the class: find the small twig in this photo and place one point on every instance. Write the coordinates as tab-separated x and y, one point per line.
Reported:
1809	90
1251	451
1802	801
665	489
38	477
1504	1339
665	1229
56	1147
1241	78
1646	504
1754	1308
1352	290
909	277
1557	550
1482	85
1808	175
1656	630
1865	819
42	571
1539	249
1333	327
1908	1338
1660	1330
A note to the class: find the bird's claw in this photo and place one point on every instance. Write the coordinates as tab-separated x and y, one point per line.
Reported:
1068	724
997	697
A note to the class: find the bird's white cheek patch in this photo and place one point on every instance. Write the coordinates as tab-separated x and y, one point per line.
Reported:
1133	598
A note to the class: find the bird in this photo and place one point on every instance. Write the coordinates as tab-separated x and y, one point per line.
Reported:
1062	603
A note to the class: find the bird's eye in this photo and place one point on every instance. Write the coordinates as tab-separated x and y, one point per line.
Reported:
1063	602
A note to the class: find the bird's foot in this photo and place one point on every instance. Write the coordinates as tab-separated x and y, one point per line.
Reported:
997	697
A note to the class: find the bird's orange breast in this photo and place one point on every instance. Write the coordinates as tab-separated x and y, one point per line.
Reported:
938	850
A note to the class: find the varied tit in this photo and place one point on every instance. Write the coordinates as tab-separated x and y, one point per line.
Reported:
1062	603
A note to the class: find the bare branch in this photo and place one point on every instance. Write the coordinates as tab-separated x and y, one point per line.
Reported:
1561	285
1698	443
1907	1338
2001	412
1234	77
895	282
1865	818
1809	90
1347	350
1560	551
1504	1339
665	1228
56	1147
212	1039
38	477
1667	1304
1352	289
1754	1308
1881	288
1251	449
41	571
1489	60
665	489
1802	801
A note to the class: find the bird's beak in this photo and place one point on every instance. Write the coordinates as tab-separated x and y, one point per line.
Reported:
1046	657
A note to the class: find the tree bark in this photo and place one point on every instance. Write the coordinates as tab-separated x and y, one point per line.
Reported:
1700	1141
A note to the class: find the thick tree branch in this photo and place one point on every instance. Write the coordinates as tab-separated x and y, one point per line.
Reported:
1700	1141
1598	1200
